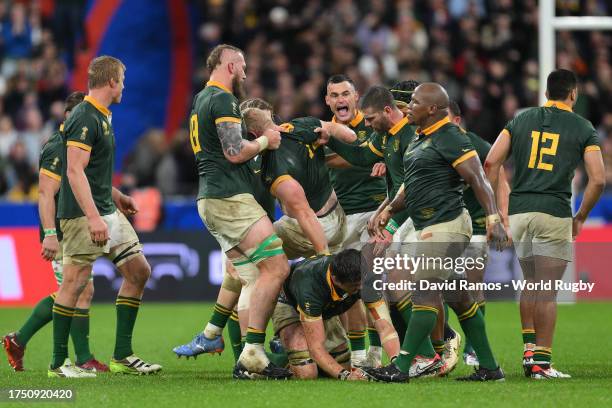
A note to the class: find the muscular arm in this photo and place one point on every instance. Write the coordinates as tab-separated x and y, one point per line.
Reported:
471	171
595	170
314	332
77	160
292	196
334	161
235	148
496	158
503	196
47	189
339	131
360	155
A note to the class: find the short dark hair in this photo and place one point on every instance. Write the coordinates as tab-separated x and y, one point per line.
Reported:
560	83
454	108
346	266
73	100
214	58
339	78
403	90
377	97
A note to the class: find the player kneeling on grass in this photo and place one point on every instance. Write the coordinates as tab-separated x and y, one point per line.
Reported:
306	316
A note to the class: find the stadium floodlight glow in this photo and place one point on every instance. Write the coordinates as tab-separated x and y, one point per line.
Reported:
547	27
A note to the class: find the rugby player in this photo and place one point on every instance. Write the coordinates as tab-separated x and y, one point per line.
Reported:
359	194
49	178
317	291
478	247
546	143
226	203
93	223
435	163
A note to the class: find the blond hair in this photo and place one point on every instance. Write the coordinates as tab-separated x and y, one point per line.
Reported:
256	120
102	69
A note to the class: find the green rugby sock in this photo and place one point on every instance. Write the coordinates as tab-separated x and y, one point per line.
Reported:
357	339
542	355
529	339
233	330
41	315
473	325
255	336
127	310
79	331
421	323
468	344
62	319
220	315
373	337
438	346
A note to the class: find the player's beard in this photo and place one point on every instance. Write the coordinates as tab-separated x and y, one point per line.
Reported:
238	88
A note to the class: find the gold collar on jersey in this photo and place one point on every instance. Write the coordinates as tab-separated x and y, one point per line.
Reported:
429	130
105	111
218	85
334	294
558	105
356	120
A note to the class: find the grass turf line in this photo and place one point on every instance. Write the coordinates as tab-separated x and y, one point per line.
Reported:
580	343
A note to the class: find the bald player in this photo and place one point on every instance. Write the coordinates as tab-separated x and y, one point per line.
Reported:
436	163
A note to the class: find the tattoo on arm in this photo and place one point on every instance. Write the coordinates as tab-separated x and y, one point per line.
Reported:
230	135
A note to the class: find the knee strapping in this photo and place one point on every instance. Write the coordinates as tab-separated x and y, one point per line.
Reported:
299	357
270	247
379	310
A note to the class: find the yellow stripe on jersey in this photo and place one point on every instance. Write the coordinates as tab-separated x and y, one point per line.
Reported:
375	150
277	182
307	318
227	119
465	157
592	148
79	145
506	132
51	174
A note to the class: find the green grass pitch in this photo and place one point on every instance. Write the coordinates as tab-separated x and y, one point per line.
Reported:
581	349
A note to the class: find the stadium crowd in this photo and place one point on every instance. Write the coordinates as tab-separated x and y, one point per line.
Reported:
475	48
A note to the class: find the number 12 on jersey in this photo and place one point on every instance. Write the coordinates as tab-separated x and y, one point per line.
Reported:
193	134
538	139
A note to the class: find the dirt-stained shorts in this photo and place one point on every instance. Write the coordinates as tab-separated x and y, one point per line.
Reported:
536	233
285	315
79	249
230	219
440	242
295	242
357	230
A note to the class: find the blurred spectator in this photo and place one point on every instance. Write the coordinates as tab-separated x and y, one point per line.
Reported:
23	175
8	135
142	162
177	173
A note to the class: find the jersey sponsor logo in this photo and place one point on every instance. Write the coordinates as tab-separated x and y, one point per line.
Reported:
105	127
84	131
428	212
465	150
55	163
361	135
396	144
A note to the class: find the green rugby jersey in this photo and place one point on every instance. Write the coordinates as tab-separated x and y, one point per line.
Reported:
260	191
357	191
477	213
309	288
89	128
388	147
219	178
300	158
50	164
547	144
434	189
